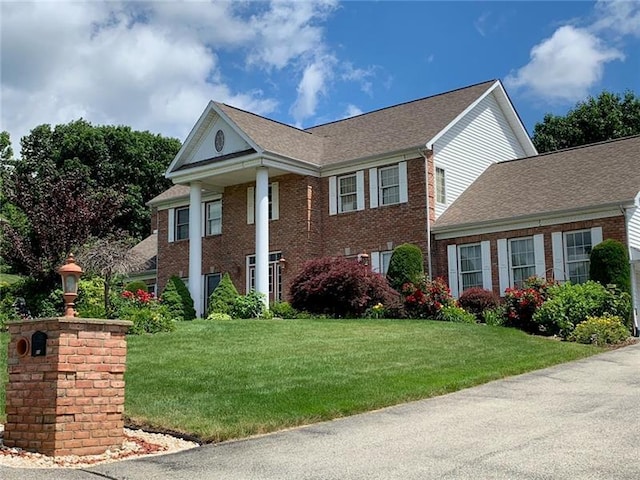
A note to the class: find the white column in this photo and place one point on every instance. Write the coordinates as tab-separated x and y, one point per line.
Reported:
195	247
262	232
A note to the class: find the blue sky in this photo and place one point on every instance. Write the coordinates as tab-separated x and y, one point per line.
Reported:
155	65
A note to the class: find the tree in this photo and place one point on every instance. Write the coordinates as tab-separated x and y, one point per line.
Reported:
6	152
108	257
606	117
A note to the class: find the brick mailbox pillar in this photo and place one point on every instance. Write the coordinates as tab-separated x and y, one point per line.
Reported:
65	394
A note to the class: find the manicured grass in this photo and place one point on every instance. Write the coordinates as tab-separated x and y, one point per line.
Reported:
222	380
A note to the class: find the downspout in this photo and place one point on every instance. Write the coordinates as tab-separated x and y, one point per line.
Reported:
424	153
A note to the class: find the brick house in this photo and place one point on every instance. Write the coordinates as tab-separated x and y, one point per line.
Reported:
542	215
257	198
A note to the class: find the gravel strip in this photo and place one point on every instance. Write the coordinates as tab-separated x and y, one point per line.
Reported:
138	443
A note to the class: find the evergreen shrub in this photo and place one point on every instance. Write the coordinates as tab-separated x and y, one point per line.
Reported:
223	296
405	266
609	265
177	299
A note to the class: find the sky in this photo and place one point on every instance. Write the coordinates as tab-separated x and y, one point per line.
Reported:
155	65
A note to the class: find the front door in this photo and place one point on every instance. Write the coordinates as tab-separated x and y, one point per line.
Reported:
275	276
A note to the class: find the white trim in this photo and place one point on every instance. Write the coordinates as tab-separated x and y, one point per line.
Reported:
373	188
275	201
402	180
557	244
538	252
375	262
203	218
171	225
251	202
365	163
485	248
503	264
452	259
596	236
262	232
360	190
333	195
506	225
195	246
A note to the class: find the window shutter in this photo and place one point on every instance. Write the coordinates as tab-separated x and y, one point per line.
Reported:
275	201
172	224
538	252
251	201
596	236
373	187
333	195
558	256
375	262
203	219
402	178
360	189
503	264
485	248
452	257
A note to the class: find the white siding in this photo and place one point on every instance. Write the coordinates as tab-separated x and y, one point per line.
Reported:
480	138
206	148
634	228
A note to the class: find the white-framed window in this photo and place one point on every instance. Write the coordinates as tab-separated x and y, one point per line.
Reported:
389	185
347	193
181	223
577	250
275	275
213	217
385	258
522	260
274	202
441	192
470	266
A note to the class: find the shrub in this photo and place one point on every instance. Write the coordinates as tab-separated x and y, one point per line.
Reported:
570	304
609	264
604	330
218	316
250	305
136	285
147	314
223	296
340	288
426	298
405	266
520	306
452	313
283	310
476	300
494	316
90	301
177	299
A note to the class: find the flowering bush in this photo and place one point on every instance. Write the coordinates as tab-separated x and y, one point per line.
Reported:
426	298
520	306
147	314
604	330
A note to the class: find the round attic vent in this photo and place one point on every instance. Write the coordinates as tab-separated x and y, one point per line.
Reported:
219	143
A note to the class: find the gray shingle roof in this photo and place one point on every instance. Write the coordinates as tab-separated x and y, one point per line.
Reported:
146	253
175	191
601	174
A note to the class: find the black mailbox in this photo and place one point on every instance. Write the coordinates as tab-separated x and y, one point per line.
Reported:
39	344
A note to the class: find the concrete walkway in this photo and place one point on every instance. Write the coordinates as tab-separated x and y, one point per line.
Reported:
575	421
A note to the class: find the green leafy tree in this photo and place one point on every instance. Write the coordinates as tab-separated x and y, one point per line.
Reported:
405	266
223	296
609	264
605	117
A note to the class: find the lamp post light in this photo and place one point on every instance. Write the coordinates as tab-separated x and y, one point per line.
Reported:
70	273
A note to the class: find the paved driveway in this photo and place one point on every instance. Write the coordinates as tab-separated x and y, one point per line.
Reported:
579	420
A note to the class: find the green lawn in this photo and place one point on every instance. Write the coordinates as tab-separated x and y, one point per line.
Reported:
222	380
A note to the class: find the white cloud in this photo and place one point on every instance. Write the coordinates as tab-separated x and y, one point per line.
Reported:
352	111
481	22
361	75
565	66
618	17
153	65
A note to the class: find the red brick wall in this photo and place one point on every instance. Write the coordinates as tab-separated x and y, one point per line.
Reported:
304	229
71	400
612	227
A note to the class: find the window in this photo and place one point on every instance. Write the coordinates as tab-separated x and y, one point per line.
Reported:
347	193
577	251
182	223
274	203
213	217
275	275
522	260
441	193
211	282
389	182
470	267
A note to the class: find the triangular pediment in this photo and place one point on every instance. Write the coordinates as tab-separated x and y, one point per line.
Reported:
212	137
